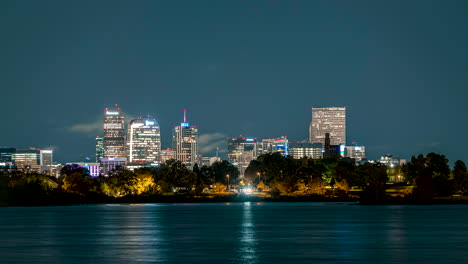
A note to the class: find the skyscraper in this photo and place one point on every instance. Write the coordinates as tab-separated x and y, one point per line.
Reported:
328	120
143	141
185	142
114	133
99	148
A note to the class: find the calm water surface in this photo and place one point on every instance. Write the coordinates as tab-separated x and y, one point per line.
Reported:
235	233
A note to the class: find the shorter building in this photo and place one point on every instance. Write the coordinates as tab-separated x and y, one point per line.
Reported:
393	167
94	168
208	161
300	150
27	159
166	155
271	145
46	157
358	153
332	151
241	151
99	148
108	165
6	156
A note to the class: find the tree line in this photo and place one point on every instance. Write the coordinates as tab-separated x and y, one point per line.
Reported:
424	178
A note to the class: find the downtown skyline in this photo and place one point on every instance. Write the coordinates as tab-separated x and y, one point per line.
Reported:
254	69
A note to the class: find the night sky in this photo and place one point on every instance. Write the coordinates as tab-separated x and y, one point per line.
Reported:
239	67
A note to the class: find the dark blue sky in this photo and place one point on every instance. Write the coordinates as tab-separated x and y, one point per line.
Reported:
239	67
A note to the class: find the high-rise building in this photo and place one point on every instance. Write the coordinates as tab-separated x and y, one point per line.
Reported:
99	148
299	150
328	120
241	151
143	141
114	133
271	145
185	142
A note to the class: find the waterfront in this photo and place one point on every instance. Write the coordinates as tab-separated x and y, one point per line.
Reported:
235	233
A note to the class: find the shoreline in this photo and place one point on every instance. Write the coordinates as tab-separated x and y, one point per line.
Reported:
81	200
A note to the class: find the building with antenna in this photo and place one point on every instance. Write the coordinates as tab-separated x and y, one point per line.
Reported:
185	142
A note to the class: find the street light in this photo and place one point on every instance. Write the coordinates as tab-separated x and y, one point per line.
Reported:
227	175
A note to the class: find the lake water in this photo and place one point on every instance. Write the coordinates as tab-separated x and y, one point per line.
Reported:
235	233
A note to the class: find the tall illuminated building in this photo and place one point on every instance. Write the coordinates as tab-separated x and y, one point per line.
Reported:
99	148
330	120
185	142
143	141
114	133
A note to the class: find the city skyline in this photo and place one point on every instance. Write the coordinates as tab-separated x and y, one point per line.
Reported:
254	69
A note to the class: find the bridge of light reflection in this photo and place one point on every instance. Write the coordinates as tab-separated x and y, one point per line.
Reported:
248	243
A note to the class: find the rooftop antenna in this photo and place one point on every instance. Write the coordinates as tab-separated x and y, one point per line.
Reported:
185	116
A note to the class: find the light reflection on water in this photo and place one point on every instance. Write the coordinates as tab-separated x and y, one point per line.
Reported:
247	252
234	233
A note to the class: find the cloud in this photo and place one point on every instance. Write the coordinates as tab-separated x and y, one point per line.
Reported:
93	127
209	142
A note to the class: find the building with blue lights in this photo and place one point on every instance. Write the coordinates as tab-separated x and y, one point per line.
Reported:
185	143
143	141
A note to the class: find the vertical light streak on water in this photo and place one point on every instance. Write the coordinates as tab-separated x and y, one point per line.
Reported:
397	247
132	233
248	243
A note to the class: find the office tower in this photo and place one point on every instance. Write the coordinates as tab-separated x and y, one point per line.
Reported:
143	141
330	120
299	150
356	152
99	148
271	145
114	133
28	158
185	142
46	157
6	156
241	151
